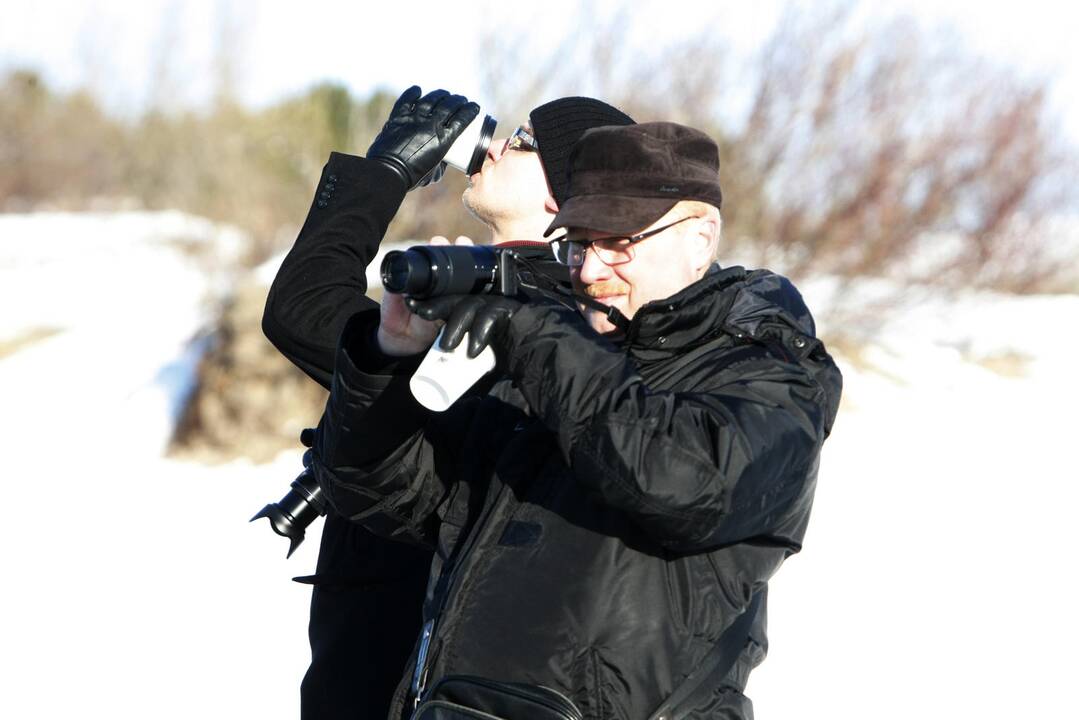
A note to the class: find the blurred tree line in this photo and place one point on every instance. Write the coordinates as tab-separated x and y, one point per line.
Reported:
855	145
255	169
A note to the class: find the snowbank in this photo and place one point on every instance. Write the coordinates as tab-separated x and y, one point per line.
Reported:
136	588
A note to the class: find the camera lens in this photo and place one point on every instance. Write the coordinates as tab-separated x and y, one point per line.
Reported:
428	271
405	273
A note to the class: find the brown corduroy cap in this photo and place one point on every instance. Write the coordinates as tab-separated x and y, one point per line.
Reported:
558	124
623	179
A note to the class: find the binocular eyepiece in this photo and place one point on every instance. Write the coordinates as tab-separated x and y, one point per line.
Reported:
470	148
290	516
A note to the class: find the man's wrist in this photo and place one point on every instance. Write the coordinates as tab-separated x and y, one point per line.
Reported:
393	346
397	167
362	350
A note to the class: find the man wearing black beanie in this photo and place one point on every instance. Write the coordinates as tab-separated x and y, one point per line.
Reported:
368	591
512	194
559	124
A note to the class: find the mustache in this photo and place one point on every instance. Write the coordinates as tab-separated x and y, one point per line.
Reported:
606	287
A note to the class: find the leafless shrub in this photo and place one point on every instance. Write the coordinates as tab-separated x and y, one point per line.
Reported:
858	140
881	139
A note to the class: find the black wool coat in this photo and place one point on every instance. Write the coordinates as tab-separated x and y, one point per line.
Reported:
367	590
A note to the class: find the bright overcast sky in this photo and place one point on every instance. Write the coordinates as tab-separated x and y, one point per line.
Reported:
116	46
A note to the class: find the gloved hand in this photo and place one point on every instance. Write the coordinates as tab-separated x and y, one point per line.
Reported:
419	133
484	317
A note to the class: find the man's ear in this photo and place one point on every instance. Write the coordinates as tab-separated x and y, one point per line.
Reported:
703	241
550	204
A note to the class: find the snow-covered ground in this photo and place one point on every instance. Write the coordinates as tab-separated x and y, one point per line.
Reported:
937	579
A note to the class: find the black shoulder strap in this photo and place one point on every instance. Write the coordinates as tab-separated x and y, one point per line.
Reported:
542	281
715	665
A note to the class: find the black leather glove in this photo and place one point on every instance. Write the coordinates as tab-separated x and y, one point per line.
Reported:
484	317
419	133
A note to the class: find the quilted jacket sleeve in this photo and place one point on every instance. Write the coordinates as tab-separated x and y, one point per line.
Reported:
732	458
380	457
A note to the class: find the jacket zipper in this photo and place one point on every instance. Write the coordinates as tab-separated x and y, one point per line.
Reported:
419	674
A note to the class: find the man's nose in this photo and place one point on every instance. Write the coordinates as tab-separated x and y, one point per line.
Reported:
496	148
593	269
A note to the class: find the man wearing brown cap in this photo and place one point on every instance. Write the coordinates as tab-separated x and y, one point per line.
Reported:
607	509
367	591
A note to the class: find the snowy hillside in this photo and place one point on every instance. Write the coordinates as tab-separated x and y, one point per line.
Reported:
937	580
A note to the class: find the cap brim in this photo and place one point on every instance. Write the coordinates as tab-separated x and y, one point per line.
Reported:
616	214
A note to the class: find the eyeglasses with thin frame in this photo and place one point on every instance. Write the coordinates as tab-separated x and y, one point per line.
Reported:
612	250
522	139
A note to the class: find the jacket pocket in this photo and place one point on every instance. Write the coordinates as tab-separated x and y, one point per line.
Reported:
686	579
469	696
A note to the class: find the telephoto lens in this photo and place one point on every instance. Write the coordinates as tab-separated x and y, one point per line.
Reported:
427	271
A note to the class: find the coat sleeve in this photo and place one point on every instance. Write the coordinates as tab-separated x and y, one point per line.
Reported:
380	457
731	458
322	280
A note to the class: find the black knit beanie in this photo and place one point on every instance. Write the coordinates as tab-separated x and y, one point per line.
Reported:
557	125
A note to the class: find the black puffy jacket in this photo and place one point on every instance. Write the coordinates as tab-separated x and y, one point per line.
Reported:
600	512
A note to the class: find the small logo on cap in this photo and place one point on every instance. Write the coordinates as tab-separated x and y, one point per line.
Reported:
669	188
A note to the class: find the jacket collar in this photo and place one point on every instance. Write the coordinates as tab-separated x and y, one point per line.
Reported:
726	300
683	320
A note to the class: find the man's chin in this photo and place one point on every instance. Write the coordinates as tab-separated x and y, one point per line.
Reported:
599	322
473	202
